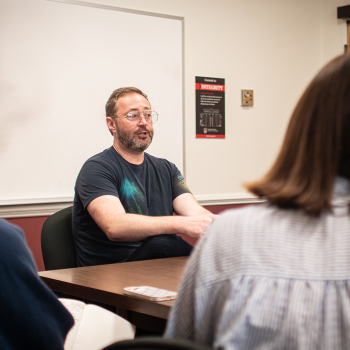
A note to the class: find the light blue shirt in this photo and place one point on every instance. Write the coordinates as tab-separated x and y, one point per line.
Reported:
267	278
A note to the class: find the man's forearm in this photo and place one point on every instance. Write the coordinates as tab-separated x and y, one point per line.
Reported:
202	211
134	227
187	205
110	216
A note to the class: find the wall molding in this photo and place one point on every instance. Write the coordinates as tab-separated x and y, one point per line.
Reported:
30	210
35	207
48	206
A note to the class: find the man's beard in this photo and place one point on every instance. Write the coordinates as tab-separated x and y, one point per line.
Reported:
130	142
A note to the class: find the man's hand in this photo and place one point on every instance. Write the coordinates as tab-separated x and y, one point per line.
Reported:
195	226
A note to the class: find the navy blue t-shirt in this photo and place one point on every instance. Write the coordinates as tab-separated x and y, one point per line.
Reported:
31	317
148	189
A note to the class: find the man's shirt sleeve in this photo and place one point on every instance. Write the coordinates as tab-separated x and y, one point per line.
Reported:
179	185
95	180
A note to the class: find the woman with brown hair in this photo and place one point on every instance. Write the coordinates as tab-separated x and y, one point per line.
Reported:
277	275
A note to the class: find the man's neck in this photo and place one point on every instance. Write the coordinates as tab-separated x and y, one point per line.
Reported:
133	157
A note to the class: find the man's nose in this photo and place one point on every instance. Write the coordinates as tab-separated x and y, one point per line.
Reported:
142	120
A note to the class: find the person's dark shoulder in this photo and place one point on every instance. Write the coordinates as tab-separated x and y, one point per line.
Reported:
10	232
105	157
10	235
13	247
161	163
103	163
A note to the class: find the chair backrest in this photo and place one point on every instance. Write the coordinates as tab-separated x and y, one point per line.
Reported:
155	343
57	242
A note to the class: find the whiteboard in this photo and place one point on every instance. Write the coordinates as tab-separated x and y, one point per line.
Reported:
59	63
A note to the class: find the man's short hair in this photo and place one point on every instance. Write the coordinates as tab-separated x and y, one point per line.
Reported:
111	104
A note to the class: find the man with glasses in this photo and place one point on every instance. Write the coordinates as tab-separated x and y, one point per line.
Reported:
125	198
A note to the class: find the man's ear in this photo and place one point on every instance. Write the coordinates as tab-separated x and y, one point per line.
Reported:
111	125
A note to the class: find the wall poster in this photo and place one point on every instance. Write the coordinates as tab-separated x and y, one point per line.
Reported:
210	107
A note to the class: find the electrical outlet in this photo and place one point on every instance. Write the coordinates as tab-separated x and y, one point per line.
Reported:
247	97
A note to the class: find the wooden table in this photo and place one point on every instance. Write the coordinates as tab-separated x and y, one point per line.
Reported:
105	283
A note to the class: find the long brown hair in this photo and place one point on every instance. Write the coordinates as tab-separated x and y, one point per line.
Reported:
316	147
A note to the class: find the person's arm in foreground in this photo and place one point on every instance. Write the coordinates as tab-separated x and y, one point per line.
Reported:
109	214
181	323
191	314
31	317
198	307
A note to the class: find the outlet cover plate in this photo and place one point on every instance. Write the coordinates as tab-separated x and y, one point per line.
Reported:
247	97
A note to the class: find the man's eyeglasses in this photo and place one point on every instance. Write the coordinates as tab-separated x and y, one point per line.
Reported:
134	117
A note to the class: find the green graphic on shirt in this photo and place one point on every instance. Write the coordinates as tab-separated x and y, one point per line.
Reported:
130	191
180	181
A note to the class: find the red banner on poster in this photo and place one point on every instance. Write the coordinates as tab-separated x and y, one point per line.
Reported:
210	87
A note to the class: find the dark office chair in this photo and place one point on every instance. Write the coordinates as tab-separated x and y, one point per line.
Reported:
155	343
57	243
